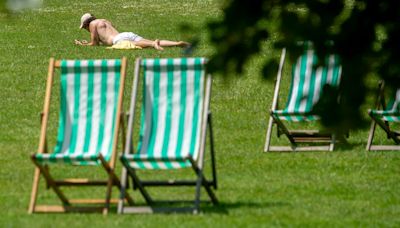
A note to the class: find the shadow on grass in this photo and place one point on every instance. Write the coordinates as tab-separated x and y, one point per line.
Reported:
224	208
206	208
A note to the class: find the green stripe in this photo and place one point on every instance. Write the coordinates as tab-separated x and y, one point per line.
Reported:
63	101
39	157
156	95
170	93
89	112
103	104
389	118
303	68
324	78
310	98
390	104
335	72
181	129
196	108
143	111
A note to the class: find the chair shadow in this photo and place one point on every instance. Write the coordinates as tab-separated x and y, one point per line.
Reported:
224	208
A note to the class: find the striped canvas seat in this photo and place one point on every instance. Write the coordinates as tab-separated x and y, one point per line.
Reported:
172	108
392	111
174	120
307	84
310	76
89	96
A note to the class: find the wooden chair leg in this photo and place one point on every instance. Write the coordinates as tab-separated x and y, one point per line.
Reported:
35	187
108	195
213	167
52	183
124	180
332	144
197	194
112	180
285	130
371	135
136	182
390	134
268	135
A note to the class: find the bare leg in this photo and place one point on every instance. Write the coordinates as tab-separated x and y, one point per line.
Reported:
148	43
158	44
168	43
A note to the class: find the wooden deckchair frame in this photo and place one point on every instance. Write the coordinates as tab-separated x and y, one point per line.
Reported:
197	167
295	136
68	205
391	134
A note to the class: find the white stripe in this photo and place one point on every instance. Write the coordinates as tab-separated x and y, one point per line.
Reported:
200	114
148	112
80	140
147	165
330	70
162	165
162	109
94	135
307	79
69	106
189	111
176	100
397	101
340	74
317	85
109	113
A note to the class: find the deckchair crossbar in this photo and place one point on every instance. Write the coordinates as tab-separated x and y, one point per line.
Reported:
173	183
80	182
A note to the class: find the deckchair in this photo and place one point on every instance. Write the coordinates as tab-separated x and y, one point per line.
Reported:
308	81
175	116
384	115
91	94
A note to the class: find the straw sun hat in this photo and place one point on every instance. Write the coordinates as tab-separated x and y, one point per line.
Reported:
84	18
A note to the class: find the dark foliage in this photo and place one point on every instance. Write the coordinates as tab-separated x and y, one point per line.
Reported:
364	33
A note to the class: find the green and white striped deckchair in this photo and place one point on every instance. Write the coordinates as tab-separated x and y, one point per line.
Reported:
306	88
384	115
90	106
174	117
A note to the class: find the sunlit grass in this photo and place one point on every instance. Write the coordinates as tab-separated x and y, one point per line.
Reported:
348	187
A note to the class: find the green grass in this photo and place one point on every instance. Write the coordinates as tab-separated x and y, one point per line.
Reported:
348	187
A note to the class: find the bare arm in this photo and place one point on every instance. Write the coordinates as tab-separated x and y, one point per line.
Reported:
94	37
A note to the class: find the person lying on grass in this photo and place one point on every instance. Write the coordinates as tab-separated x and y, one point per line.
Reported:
102	32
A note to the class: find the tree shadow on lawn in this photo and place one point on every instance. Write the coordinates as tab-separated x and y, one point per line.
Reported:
349	146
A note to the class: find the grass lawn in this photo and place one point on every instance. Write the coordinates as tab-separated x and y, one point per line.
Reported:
347	187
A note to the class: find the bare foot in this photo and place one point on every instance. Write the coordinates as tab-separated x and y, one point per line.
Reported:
157	45
183	44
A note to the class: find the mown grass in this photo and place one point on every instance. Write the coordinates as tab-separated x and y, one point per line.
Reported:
348	187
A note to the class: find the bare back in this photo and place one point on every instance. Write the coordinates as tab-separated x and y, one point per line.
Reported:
102	31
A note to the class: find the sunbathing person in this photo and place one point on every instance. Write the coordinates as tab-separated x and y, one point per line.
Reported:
102	32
